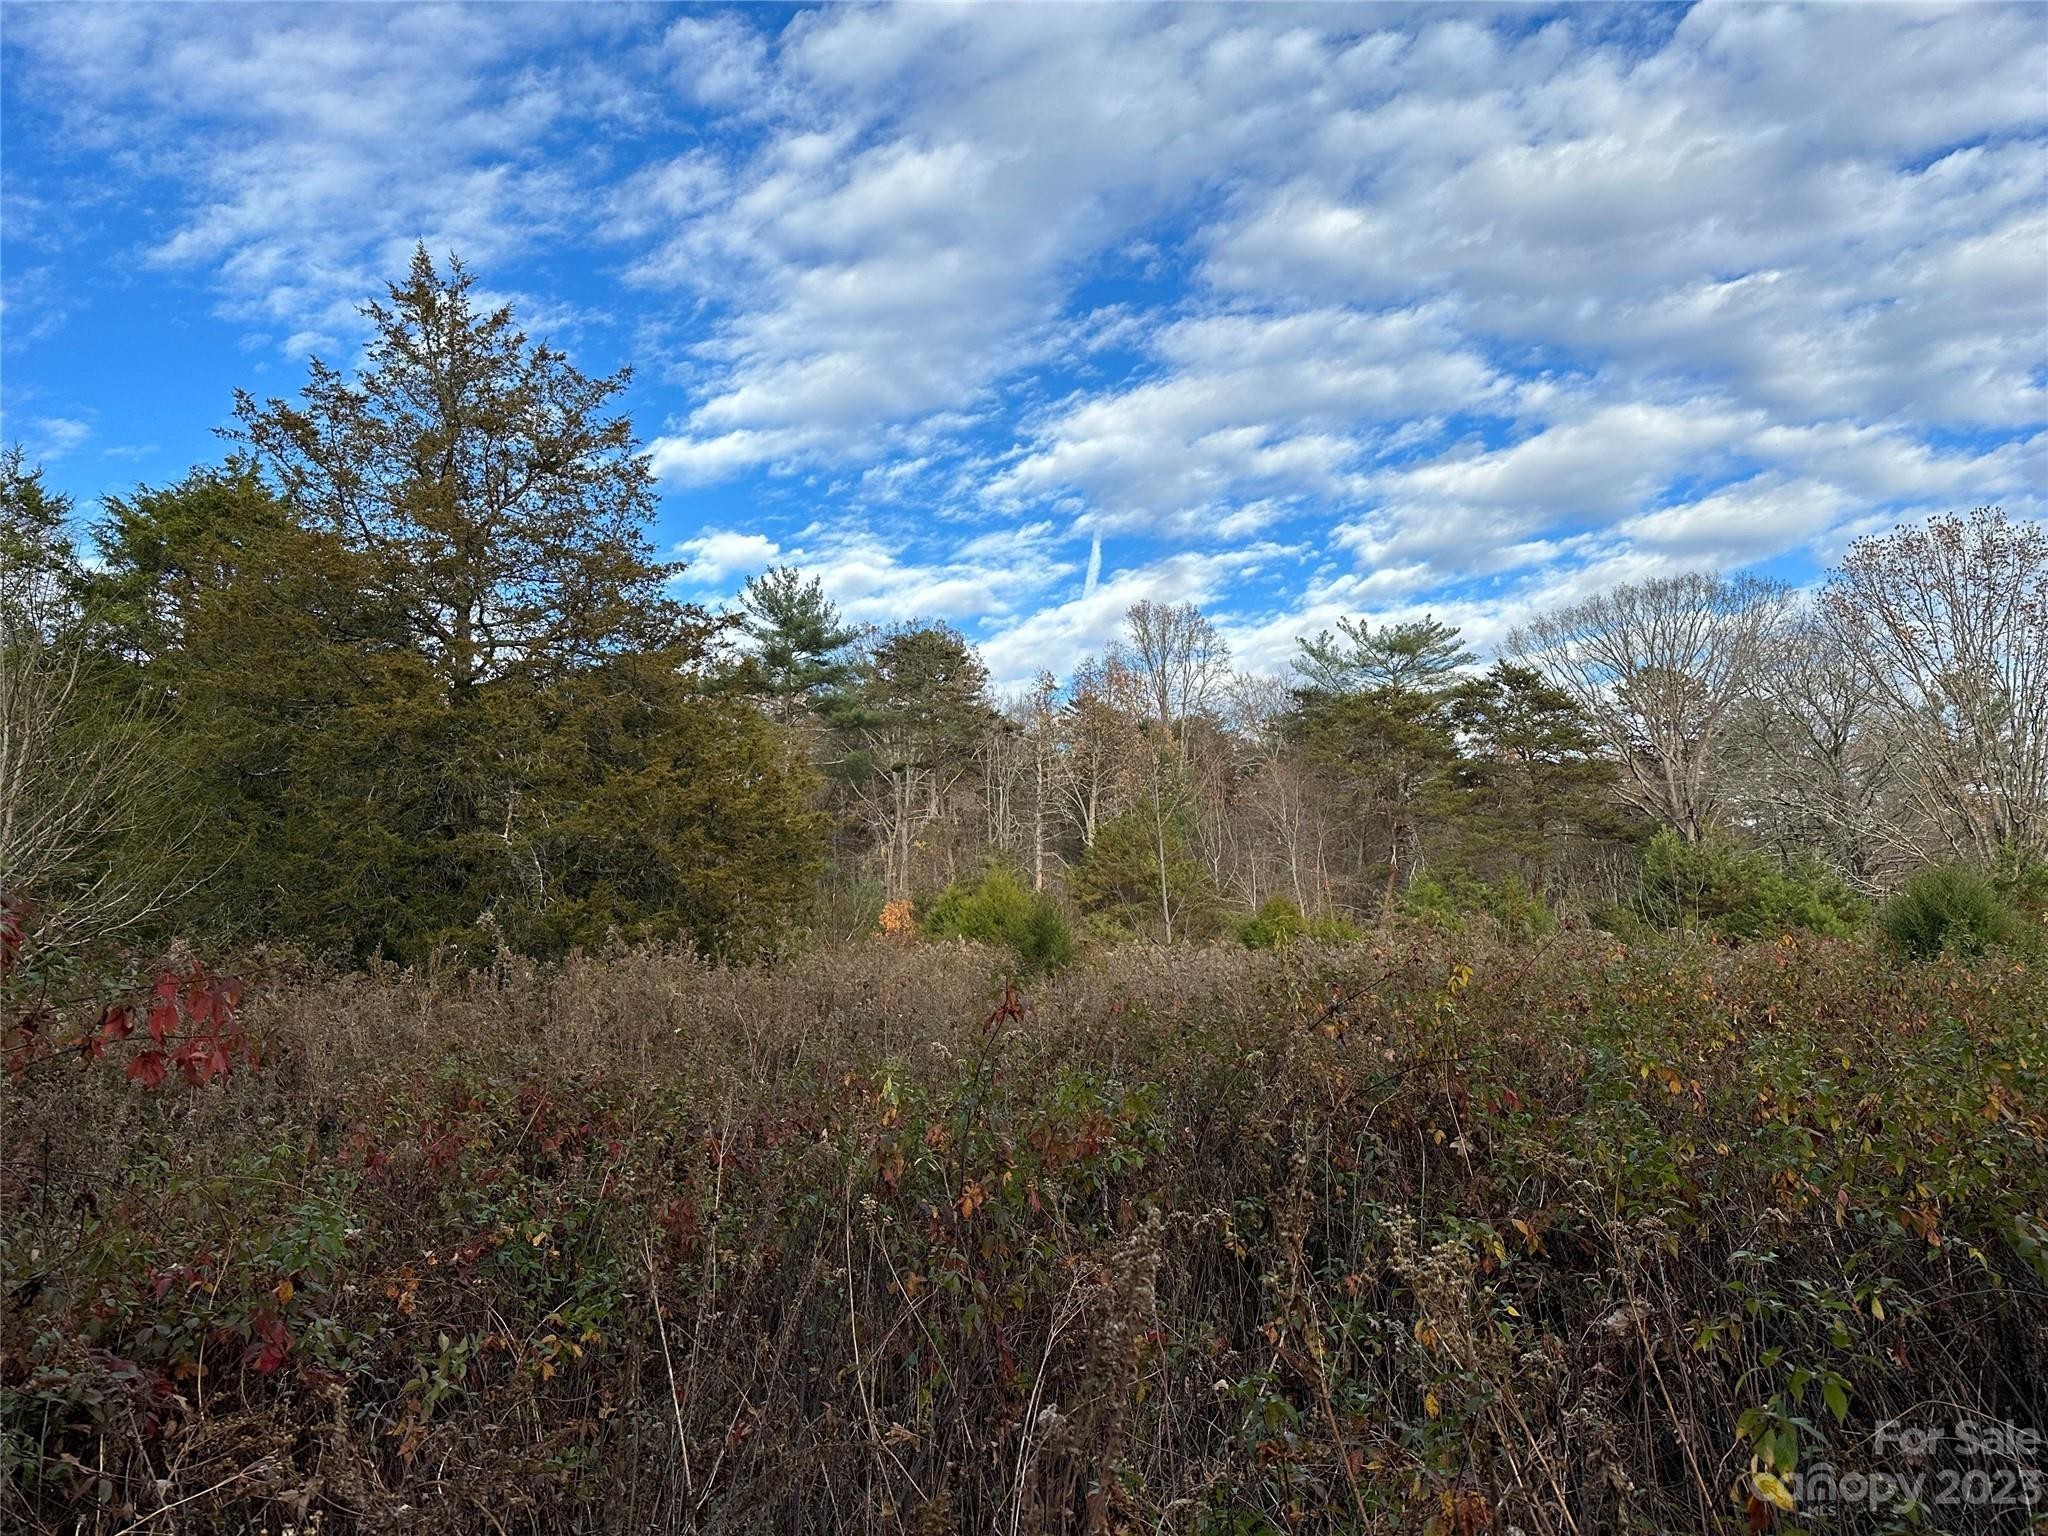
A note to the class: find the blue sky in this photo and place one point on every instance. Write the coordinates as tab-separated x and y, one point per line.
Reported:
1291	311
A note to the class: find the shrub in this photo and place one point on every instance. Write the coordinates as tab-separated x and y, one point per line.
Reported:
2023	882
1948	907
1733	893
998	909
1446	901
1121	876
1279	922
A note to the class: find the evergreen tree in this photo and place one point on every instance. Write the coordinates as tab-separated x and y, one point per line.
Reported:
38	566
428	680
1419	654
799	641
1140	877
1388	752
1373	717
1531	781
497	505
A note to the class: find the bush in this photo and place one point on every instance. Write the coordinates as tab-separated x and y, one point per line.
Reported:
1446	901
2023	882
1279	922
1949	908
1717	888
998	909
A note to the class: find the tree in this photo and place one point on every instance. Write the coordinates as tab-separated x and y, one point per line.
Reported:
1388	751
1180	666
426	672
1181	662
88	843
799	641
1828	762
1022	768
1530	780
1371	717
1099	737
37	561
497	506
298	714
912	720
1140	875
1948	627
1663	669
1419	654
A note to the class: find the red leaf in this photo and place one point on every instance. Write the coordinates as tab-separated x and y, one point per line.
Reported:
147	1069
272	1348
163	1020
117	1023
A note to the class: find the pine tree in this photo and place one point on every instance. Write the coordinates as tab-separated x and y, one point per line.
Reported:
799	641
1420	654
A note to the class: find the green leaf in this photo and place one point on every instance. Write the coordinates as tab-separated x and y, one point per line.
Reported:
1836	1395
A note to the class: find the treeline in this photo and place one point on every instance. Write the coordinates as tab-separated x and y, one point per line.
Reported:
404	675
1698	751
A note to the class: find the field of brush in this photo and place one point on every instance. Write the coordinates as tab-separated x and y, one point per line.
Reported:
1412	1235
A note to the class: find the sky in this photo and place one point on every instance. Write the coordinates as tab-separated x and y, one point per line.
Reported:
1012	315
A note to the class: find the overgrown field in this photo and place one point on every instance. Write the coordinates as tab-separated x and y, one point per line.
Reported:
1402	1236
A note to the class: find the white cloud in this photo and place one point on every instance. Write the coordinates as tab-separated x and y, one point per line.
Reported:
306	148
1056	636
1251	406
1476	311
717	555
874	579
52	437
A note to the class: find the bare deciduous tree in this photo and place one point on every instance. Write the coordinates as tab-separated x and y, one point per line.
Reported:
1826	760
1948	626
1098	740
80	783
1662	668
1181	661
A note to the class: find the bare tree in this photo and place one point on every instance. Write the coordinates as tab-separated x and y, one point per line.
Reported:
1099	734
1182	666
1827	760
1948	626
1289	822
1037	717
1181	661
1663	668
83	832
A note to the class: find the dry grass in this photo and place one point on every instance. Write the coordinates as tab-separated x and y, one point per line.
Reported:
1394	1237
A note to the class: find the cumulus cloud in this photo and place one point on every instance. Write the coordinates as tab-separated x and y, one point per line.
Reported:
303	149
1304	312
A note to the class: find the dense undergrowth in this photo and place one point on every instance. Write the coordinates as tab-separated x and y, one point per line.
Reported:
1400	1236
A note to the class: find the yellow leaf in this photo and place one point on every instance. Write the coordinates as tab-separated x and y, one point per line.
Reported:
1773	1492
1877	1309
284	1292
1430	1405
